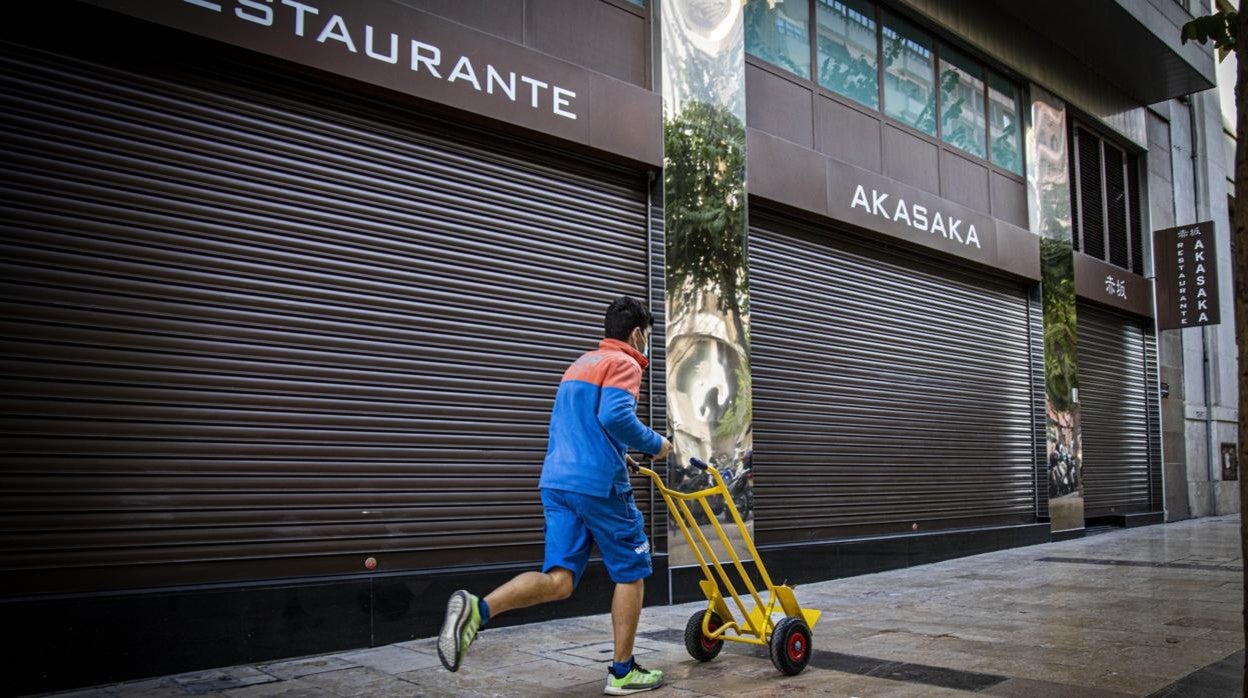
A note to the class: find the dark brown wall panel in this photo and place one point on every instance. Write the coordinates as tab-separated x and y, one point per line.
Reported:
848	134
502	18
1009	200
594	34
910	159
787	173
778	106
964	181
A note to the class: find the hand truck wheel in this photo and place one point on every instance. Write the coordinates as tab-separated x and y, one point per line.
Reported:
790	646
701	647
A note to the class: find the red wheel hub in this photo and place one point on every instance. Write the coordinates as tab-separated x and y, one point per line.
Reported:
797	647
707	642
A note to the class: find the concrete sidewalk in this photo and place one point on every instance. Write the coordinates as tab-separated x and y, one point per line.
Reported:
1148	611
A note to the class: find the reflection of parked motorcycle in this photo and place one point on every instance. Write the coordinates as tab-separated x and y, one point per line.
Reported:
738	475
740	483
690	479
1062	473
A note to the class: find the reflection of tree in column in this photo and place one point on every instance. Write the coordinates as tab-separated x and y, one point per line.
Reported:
1060	363
704	155
704	158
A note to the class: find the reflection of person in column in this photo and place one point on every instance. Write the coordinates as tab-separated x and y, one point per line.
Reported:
586	499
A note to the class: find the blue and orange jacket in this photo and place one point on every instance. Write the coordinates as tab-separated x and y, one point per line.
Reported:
595	421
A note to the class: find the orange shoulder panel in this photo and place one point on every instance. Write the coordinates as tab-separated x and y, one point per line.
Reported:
589	368
623	373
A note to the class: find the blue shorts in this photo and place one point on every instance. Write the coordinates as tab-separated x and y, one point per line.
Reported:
574	522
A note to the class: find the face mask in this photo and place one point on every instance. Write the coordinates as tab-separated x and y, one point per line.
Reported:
645	347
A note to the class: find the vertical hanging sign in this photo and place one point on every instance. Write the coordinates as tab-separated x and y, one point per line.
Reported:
1187	277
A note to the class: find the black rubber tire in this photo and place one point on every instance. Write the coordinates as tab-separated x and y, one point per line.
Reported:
697	644
790	646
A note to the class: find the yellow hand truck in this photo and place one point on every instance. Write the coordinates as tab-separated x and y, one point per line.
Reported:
788	640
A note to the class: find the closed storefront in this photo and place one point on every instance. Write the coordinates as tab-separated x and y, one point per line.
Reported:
290	286
1118	396
261	329
894	392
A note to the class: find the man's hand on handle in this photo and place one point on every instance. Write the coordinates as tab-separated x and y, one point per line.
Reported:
665	449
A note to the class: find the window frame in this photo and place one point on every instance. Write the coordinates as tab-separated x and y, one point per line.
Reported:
1131	159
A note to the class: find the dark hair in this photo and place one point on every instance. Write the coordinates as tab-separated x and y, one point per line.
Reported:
624	314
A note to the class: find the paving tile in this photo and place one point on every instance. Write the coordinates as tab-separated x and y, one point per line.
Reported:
390	659
361	681
292	688
303	667
1027	688
216	680
162	688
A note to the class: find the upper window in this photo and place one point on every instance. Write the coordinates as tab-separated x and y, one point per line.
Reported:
962	102
1107	201
1007	142
848	63
882	61
779	32
909	65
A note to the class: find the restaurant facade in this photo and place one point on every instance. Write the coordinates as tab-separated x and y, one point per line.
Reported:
291	285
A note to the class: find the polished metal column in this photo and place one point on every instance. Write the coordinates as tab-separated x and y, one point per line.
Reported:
1049	191
702	65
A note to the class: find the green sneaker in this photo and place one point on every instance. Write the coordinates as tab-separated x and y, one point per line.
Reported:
463	618
635	681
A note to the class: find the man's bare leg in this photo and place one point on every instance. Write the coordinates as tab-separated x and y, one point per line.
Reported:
625	612
530	589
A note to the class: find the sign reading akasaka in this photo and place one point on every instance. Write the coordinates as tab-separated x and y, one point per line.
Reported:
916	216
1187	277
877	203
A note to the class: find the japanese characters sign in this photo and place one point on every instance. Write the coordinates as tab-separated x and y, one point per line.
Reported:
1187	277
1109	285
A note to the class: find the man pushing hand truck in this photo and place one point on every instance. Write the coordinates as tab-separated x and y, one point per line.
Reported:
586	499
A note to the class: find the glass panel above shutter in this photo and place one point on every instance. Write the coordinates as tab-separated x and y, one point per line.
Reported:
779	33
909	75
848	55
1004	123
962	121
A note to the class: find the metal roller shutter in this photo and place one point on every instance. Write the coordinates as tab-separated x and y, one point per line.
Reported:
255	327
891	393
1115	413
